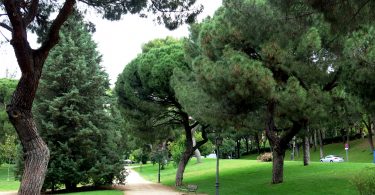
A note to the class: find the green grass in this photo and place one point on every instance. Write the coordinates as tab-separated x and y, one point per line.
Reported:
5	185
359	151
242	177
13	185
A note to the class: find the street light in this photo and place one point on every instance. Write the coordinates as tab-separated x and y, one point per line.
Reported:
218	142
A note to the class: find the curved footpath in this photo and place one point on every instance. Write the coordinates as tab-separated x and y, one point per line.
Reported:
8	193
136	185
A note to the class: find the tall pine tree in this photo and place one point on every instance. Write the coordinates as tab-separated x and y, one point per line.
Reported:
75	114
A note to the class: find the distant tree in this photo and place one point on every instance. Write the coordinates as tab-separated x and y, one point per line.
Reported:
35	15
250	60
7	133
145	93
75	114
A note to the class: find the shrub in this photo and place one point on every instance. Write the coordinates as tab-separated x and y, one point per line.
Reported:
176	148
364	181
265	157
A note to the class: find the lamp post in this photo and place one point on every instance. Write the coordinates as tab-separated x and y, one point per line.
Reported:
218	142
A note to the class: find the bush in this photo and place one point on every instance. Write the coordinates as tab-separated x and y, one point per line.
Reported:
364	181
176	148
265	157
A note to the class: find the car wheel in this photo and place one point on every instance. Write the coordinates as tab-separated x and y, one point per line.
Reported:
331	161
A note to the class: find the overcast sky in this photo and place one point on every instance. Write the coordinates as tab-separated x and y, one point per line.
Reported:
119	42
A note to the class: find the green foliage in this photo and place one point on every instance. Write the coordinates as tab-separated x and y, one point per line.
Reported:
365	181
8	185
144	93
360	55
76	116
159	156
176	149
140	155
7	132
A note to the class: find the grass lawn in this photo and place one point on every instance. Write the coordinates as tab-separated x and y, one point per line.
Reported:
359	151
6	185
13	185
253	177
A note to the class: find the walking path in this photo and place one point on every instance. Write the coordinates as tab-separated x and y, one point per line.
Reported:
136	185
8	193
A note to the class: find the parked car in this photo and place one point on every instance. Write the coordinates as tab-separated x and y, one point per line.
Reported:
128	162
332	158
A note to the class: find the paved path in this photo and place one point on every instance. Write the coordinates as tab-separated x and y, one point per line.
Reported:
136	185
8	193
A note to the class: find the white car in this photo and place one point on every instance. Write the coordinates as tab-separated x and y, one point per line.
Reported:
332	158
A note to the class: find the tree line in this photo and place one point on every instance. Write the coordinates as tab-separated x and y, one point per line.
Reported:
264	67
290	69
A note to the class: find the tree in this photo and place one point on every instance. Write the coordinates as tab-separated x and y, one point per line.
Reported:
34	15
7	134
74	113
246	62
144	87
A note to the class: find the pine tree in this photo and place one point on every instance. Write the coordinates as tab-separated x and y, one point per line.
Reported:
75	113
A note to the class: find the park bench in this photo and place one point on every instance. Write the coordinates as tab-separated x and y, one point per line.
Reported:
188	188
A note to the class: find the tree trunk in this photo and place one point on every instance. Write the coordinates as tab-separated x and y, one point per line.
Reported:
189	148
36	153
293	149
247	145
279	143
278	166
181	166
315	140
297	150
320	137
369	125
238	148
370	141
197	153
257	142
306	151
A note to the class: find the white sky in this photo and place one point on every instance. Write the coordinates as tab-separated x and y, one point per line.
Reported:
119	42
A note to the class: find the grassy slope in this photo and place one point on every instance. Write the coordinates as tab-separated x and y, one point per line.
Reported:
5	185
252	177
13	185
359	152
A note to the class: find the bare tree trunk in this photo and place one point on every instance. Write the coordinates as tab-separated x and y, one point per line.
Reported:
247	144
189	148
256	137
320	136
279	143
238	142
197	153
36	153
315	140
369	125
182	164
278	165
306	151
30	61
293	148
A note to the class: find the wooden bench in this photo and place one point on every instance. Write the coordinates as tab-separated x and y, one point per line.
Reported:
188	188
